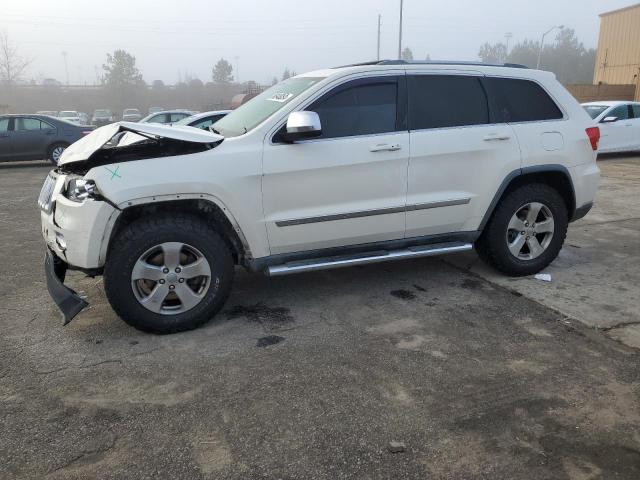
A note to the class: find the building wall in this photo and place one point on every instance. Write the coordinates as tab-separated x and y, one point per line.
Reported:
618	58
592	93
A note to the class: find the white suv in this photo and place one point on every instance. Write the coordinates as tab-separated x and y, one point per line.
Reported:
345	166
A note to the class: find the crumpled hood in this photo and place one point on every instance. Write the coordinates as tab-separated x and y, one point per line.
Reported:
134	132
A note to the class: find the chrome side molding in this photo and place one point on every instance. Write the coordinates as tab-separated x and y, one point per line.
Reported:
365	258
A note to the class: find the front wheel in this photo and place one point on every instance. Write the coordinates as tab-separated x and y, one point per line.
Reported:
168	274
526	231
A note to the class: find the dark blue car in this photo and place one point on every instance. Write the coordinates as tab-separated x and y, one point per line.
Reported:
36	137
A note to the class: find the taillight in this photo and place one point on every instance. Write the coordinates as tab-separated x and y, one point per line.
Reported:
594	137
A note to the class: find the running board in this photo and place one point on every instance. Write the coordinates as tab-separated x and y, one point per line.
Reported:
367	257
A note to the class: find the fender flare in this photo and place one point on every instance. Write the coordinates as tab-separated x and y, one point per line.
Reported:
554	168
122	206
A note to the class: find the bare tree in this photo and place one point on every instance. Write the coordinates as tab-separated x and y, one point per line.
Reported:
12	65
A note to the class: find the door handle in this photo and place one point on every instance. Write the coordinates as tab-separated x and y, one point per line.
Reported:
496	136
385	147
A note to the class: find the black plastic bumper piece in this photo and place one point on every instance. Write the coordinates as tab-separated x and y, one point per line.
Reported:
582	211
68	301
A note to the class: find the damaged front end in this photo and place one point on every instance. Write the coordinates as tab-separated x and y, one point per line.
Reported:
127	141
67	300
76	217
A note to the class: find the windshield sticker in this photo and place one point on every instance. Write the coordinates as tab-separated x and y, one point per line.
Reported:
280	97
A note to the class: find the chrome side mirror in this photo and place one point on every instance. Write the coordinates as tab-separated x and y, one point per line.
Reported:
609	119
302	125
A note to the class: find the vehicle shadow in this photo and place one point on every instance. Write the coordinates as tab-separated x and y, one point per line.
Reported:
25	164
619	155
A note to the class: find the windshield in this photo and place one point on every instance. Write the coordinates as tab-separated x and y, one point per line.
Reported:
258	109
595	110
68	114
102	113
131	111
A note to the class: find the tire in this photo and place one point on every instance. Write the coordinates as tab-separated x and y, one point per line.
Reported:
54	152
145	249
509	230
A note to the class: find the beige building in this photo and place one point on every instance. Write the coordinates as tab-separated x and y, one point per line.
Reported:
618	58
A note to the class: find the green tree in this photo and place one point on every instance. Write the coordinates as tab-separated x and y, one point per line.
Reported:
407	54
496	53
121	71
567	57
286	74
222	72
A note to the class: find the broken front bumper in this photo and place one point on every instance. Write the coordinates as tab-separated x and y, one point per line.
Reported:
68	301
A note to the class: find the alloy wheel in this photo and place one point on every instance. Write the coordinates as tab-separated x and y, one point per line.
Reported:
530	231
171	278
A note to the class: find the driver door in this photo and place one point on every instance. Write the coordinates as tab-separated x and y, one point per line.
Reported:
349	185
617	136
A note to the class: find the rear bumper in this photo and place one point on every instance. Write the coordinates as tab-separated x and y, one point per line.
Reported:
68	301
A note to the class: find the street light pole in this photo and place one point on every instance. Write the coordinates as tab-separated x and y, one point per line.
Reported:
379	18
542	43
400	34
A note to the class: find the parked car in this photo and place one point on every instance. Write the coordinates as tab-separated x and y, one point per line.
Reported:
70	116
328	169
84	118
102	117
36	137
131	115
49	113
203	120
167	117
619	124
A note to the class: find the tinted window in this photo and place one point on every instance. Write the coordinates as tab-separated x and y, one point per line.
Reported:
622	112
27	124
636	111
205	123
364	109
520	101
4	124
437	101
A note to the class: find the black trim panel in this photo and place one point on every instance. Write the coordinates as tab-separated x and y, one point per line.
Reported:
369	213
582	211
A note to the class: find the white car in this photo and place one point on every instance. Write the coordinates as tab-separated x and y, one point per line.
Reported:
167	117
619	124
345	166
70	116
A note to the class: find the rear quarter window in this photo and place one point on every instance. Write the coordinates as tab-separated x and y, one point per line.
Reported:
516	100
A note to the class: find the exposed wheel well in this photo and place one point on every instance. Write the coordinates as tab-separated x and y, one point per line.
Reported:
559	180
204	209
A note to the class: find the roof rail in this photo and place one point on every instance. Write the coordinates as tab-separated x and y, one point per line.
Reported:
433	62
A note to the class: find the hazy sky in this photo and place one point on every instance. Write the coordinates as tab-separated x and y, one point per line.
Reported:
171	37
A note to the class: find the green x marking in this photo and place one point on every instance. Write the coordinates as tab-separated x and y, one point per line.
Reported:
114	173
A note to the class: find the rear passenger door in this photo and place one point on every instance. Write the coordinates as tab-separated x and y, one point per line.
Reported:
30	138
458	156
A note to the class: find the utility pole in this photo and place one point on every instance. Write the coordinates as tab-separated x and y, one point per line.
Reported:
66	66
379	18
400	34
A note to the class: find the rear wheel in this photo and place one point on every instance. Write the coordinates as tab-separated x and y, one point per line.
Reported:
526	231
55	152
168	274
